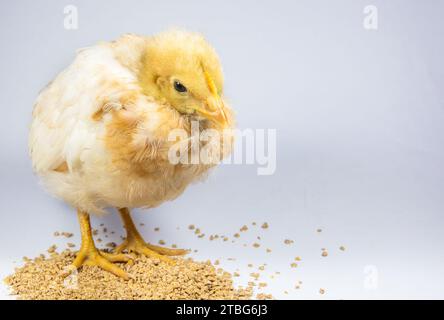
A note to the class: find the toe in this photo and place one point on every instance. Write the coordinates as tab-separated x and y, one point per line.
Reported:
78	261
116	257
107	266
152	254
167	251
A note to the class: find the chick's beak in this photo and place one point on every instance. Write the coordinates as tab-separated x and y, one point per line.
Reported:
214	111
214	106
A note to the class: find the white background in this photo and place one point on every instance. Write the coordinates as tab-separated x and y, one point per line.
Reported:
359	117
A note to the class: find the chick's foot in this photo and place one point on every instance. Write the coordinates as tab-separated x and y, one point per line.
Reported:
138	245
104	260
89	255
135	243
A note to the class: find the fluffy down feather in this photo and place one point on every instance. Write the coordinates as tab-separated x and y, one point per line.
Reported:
98	139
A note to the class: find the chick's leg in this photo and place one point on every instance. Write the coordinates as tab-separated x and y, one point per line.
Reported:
91	256
135	243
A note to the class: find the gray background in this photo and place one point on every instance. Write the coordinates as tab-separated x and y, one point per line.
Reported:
359	118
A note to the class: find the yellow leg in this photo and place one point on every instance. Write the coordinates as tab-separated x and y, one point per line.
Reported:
135	243
91	256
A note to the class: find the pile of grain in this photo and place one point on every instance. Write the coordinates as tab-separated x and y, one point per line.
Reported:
43	278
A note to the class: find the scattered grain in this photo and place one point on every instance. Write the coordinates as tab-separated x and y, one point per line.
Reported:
187	279
111	245
264	296
67	234
255	275
262	284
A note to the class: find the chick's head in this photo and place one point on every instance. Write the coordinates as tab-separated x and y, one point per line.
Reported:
182	70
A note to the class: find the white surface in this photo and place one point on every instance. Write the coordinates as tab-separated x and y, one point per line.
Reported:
359	123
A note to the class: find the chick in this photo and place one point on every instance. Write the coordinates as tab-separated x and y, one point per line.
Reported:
100	131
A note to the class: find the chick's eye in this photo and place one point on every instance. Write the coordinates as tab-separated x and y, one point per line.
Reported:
179	87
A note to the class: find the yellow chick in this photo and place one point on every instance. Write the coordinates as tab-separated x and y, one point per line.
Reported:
101	131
